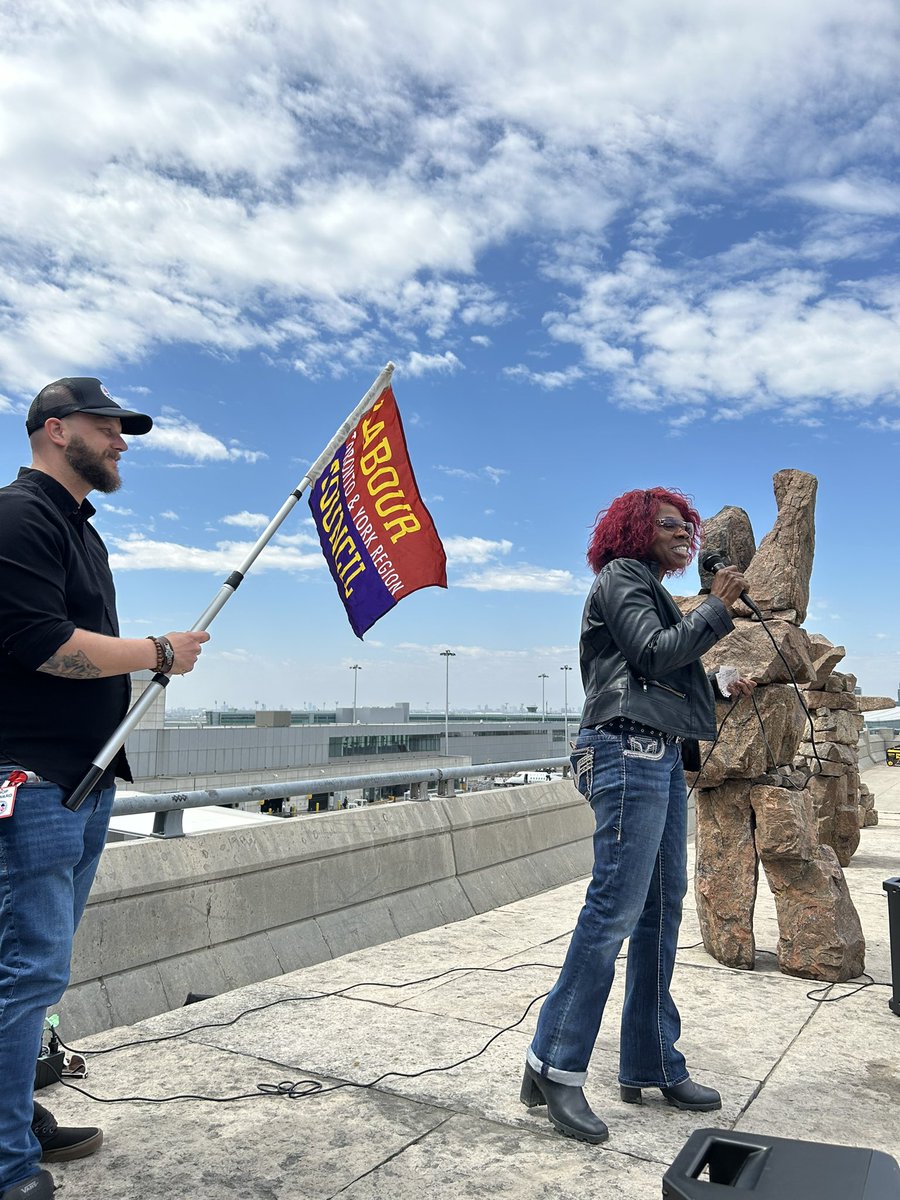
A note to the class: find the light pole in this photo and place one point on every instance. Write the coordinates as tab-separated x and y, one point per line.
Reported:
543	678
565	671
446	655
356	668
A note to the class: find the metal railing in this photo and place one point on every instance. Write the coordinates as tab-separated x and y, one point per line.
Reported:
169	806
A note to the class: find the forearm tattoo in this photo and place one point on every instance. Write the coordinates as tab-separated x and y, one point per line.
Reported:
71	666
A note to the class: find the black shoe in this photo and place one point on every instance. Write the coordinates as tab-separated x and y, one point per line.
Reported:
38	1187
59	1144
690	1096
567	1108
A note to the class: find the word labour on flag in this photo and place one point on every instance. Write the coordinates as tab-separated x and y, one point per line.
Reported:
377	536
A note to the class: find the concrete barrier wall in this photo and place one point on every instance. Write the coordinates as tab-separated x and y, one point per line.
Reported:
873	744
220	910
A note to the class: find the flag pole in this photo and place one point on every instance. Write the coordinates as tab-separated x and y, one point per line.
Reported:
226	591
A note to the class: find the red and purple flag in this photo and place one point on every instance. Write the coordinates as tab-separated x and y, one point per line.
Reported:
377	536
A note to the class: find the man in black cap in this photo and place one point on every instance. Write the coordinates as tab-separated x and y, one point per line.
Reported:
64	689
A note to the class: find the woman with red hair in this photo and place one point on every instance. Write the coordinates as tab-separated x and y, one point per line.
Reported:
647	697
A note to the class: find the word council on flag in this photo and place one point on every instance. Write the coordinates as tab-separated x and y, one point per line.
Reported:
377	536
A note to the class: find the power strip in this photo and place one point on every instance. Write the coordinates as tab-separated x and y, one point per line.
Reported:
49	1069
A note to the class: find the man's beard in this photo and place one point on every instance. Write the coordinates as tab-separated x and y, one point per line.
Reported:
95	469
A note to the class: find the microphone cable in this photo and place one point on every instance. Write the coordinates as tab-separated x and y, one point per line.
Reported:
803	705
713	561
302	1089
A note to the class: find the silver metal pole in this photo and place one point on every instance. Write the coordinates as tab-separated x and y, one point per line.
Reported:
226	591
446	655
566	671
356	668
543	678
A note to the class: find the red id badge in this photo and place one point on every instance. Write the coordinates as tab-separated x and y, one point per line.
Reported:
8	791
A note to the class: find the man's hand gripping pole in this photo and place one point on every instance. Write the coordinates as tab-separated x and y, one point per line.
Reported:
226	591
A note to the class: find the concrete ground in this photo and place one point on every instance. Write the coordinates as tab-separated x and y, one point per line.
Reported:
419	1056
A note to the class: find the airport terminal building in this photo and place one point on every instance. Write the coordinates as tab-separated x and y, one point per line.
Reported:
235	748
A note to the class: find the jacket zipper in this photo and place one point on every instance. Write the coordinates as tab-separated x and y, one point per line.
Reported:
665	687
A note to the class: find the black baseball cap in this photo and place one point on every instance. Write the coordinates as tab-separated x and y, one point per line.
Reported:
84	394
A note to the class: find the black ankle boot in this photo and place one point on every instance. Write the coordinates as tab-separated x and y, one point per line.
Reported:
690	1096
567	1108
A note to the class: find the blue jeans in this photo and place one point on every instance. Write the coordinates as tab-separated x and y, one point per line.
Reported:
48	858
635	785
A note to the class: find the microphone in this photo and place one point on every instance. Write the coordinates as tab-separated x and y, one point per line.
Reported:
715	560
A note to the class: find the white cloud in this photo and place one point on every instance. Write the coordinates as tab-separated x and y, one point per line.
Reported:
458	472
420	364
484	311
168	515
551	380
466	652
295	539
474	549
529	653
247	520
480	339
180	436
244	176
781	342
524	578
875	196
494	474
435	303
120	512
138	553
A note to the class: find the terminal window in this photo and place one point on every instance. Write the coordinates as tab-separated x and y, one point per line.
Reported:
369	746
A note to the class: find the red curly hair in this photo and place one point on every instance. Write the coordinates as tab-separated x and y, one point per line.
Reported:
627	528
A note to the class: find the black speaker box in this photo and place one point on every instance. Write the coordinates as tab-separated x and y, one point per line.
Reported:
715	1164
892	887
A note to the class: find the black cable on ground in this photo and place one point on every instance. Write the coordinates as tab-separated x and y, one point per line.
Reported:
300	1089
303	1088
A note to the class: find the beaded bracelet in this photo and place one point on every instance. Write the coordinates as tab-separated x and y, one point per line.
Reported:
165	655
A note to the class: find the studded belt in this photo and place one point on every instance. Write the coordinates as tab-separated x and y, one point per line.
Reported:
627	725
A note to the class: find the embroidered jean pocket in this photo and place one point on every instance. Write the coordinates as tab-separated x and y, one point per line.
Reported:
644	745
583	770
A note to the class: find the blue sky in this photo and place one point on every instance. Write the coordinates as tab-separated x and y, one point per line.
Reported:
605	250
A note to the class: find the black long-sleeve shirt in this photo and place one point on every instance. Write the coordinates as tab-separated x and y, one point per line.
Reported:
54	579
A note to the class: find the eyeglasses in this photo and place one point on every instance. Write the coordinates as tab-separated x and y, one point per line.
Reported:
674	523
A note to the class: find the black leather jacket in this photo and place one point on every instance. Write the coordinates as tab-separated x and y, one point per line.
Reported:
640	658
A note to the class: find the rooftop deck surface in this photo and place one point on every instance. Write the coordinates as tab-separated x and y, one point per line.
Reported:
406	1011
